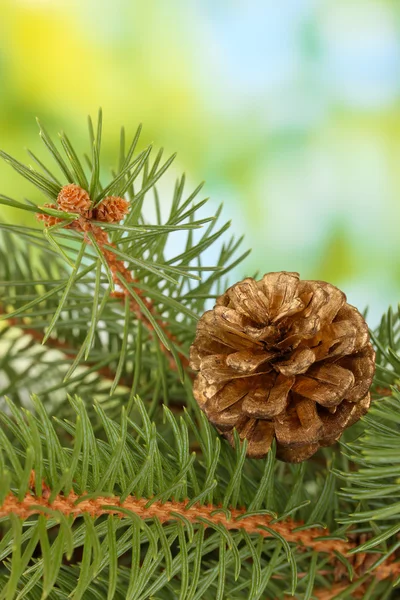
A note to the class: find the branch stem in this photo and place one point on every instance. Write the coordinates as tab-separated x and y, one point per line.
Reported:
77	506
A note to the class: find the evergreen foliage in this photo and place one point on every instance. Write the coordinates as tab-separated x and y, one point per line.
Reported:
112	482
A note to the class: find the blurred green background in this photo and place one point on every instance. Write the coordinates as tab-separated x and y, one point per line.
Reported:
289	110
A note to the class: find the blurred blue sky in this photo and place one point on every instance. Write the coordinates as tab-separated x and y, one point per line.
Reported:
289	110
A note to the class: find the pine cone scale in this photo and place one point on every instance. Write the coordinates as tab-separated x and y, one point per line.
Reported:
291	432
261	434
347	413
335	302
281	290
299	362
216	371
226	419
249	300
303	329
285	356
229	333
289	309
296	454
262	437
326	385
337	339
266	403
248	362
362	366
233	392
308	415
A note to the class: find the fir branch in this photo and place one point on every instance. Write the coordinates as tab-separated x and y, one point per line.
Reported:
140	305
211	516
162	283
122	276
79	485
75	506
138	503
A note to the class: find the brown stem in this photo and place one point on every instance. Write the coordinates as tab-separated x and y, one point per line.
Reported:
381	391
117	267
164	512
338	588
75	505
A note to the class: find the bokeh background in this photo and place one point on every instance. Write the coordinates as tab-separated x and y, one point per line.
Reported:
289	110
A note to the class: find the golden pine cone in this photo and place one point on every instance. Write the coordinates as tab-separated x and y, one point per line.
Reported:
48	220
73	198
111	209
283	358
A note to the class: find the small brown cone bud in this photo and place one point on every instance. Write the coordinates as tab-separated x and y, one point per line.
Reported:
48	220
286	359
73	198
111	209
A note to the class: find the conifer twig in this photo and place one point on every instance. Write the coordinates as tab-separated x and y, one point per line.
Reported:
118	269
310	539
122	277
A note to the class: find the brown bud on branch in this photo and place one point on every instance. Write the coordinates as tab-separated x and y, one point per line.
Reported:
112	209
73	198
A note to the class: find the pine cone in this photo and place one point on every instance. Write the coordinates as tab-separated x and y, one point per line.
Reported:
73	198
283	358
111	209
48	220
